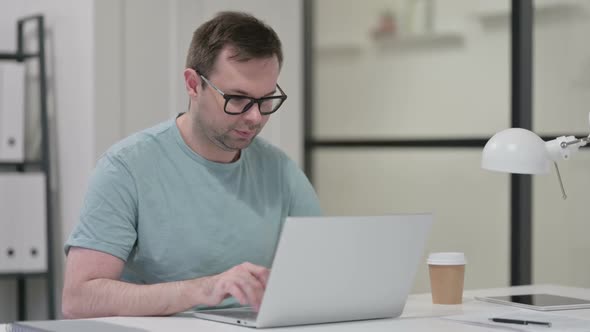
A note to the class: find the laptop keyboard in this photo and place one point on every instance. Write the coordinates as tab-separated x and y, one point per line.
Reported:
239	314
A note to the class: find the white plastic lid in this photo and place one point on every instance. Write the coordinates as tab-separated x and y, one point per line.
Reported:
447	258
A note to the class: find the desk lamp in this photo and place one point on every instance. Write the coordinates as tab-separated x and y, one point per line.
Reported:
517	150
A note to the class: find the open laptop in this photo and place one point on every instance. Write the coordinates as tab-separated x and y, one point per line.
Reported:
334	269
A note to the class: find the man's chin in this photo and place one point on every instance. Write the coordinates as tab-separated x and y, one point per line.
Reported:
238	144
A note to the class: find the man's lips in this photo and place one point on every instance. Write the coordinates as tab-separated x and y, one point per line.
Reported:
245	133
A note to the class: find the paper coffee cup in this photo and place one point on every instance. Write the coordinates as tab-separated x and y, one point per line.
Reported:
447	274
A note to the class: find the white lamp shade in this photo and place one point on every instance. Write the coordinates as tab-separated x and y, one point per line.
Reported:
516	150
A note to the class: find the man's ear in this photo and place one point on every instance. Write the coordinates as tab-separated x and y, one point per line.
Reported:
192	81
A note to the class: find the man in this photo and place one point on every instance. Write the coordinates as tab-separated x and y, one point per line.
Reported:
188	213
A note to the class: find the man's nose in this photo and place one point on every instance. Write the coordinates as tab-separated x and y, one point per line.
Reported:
253	114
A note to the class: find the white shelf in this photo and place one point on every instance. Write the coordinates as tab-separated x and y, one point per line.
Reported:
395	42
348	49
421	41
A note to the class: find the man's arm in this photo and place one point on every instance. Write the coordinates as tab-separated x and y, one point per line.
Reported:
92	288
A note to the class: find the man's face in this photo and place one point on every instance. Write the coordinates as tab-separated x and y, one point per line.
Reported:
254	78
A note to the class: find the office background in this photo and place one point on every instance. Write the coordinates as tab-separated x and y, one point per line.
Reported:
114	68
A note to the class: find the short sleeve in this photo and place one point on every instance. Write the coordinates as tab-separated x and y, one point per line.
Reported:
108	219
303	200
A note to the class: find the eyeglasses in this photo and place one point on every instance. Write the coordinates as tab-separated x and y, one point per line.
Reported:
238	104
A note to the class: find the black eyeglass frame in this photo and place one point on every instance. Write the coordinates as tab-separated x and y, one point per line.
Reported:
248	106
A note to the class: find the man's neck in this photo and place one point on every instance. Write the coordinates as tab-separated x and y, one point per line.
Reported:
200	144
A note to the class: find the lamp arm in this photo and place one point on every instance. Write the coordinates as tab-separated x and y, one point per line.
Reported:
560	149
583	141
563	147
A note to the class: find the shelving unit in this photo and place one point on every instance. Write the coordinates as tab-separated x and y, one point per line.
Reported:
42	165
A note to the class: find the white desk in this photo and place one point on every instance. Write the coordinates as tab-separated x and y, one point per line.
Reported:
419	315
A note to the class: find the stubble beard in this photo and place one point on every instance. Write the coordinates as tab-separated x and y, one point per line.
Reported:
224	140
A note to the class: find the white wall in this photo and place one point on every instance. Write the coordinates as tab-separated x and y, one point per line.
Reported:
109	73
71	105
437	90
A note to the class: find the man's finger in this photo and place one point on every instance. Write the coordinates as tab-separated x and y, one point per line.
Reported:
236	291
263	276
260	272
253	289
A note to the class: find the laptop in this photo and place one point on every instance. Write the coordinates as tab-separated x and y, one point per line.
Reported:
336	269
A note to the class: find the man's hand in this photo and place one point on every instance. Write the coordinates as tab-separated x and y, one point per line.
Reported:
246	282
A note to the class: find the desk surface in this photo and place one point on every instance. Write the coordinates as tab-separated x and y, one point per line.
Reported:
419	315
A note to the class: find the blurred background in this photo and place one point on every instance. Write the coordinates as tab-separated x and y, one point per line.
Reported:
390	103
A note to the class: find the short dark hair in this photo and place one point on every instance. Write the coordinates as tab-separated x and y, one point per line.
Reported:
250	37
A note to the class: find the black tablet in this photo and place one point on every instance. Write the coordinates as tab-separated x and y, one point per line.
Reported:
544	302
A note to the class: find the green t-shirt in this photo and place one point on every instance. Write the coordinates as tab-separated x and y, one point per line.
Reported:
172	215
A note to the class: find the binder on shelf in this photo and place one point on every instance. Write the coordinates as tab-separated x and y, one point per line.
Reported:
12	109
23	240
